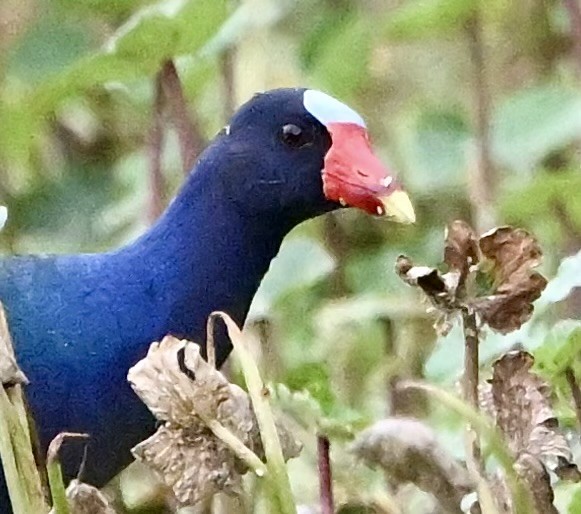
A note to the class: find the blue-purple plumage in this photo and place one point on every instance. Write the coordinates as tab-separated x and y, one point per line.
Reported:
79	322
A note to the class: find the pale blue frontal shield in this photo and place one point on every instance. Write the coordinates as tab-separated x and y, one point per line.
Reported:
329	110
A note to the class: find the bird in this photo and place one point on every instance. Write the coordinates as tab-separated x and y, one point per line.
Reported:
79	322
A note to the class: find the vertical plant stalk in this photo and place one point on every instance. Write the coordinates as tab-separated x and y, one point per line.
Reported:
155	148
521	496
58	492
483	181
259	394
55	474
16	491
574	10
470	386
575	392
190	137
482	195
17	451
23	450
325	475
227	71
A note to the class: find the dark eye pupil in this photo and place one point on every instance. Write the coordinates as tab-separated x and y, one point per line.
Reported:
293	135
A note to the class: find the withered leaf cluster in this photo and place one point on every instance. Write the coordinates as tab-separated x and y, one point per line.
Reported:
409	452
518	401
493	275
185	393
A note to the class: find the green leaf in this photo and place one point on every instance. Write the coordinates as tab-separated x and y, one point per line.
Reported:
532	123
314	378
435	149
560	348
244	21
48	47
567	278
301	262
424	18
164	30
341	66
575	505
537	205
339	423
167	29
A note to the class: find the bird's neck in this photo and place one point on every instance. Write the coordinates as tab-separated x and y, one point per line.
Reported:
204	254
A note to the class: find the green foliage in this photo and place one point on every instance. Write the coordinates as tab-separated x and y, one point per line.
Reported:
300	263
75	104
435	149
575	505
340	53
424	18
559	350
532	123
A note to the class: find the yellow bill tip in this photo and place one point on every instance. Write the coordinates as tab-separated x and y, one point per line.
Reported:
398	207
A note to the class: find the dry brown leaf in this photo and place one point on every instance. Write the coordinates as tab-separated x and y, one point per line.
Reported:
461	250
513	254
86	499
504	258
184	391
519	402
192	462
10	373
439	289
409	451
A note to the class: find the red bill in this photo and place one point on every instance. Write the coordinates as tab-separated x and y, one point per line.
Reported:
352	173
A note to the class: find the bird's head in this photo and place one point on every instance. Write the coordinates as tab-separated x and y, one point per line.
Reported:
314	156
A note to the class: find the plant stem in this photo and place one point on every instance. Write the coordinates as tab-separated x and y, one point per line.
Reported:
20	504
484	175
259	395
574	11
470	384
227	72
23	450
55	474
155	146
575	392
15	421
57	487
523	503
244	453
192	142
325	475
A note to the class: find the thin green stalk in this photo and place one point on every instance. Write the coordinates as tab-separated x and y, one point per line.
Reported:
16	491
24	452
244	453
56	483
15	422
522	499
260	401
60	504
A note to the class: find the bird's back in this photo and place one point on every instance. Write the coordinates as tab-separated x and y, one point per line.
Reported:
76	322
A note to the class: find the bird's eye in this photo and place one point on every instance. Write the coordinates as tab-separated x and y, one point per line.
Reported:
294	136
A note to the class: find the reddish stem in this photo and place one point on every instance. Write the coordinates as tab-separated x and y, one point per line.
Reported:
192	142
155	144
325	475
227	69
575	392
574	10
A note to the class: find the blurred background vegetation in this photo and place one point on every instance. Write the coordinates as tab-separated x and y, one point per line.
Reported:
476	106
